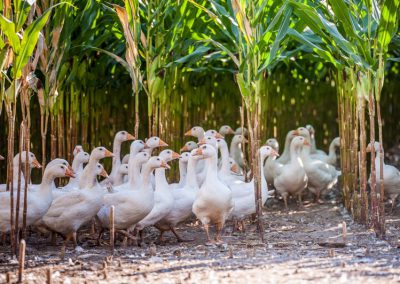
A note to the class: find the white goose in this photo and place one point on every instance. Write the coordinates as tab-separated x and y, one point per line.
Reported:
189	146
39	201
183	200
332	157
321	176
71	210
285	157
33	163
196	131
96	155
391	176
245	204
269	167
120	137
163	199
213	203
77	166
132	206
291	178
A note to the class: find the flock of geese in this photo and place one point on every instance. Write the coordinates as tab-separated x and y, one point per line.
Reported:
211	186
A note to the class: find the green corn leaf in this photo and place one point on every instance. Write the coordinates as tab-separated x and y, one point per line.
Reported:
8	28
388	23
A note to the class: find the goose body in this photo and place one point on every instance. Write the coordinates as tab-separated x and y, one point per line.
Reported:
38	201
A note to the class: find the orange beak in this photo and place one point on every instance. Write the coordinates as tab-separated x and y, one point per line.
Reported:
69	173
184	148
189	133
245	140
202	142
165	165
130	137
104	173
36	164
368	148
306	143
162	144
77	149
70	168
235	169
108	154
146	146
1	157
175	156
296	132
274	153
198	152
219	136
231	131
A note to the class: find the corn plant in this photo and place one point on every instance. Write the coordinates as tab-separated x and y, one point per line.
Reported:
353	36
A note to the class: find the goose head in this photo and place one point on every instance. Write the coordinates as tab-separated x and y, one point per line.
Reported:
189	146
210	140
214	133
311	129
221	141
123	136
239	139
273	143
241	131
169	155
100	153
266	151
142	157
137	146
123	169
196	131
154	142
59	170
205	151
302	131
32	161
82	157
77	149
184	157
336	141
234	166
59	161
226	130
193	155
299	141
377	147
100	171
157	162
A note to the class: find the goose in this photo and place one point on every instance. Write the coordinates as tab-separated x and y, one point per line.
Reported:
332	157
291	178
196	131
226	130
269	166
314	149
80	158
213	203
33	162
154	142
96	155
183	162
77	149
391	175
119	138
183	201
189	146
163	199
71	210
321	176
55	161
245	204
38	201
133	205
236	149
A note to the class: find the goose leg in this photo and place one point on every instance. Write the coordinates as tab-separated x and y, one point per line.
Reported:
180	239
218	227
285	196
206	228
300	201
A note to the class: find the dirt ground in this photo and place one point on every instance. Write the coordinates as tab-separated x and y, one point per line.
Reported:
301	246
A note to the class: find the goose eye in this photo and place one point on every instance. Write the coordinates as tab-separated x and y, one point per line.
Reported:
123	132
158	159
62	167
31	156
156	138
204	147
145	154
101	149
169	152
